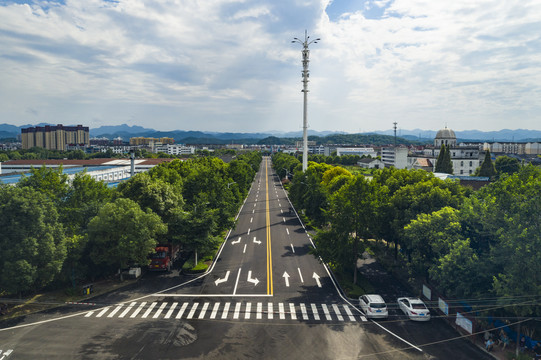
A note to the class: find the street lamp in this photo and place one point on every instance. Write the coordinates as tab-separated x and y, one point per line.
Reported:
305	76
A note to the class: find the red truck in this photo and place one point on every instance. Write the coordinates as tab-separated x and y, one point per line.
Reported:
164	257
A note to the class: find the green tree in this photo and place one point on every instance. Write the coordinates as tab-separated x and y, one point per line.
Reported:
51	182
487	167
122	234
444	163
506	165
32	243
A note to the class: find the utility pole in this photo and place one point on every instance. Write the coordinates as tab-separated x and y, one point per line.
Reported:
305	76
395	134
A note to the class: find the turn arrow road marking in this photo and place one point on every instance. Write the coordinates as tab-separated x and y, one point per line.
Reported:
219	281
235	242
258	242
254	280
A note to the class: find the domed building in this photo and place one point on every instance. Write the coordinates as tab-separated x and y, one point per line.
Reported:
446	137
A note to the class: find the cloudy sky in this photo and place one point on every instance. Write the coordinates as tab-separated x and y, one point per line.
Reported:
229	65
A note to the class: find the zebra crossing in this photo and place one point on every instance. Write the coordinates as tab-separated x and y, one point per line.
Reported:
229	311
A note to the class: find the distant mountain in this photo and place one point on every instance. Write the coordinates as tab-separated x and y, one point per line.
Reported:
113	129
506	135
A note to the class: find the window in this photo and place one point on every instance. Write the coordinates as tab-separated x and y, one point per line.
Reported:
462	163
471	163
461	172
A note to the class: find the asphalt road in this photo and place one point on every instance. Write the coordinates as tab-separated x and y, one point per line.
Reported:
265	297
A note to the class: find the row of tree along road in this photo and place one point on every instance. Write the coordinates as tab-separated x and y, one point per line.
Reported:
57	232
480	245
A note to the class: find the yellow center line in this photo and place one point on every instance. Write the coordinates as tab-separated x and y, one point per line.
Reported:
269	250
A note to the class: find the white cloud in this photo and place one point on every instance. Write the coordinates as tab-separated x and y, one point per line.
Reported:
229	65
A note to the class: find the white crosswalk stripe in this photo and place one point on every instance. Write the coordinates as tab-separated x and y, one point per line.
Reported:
189	310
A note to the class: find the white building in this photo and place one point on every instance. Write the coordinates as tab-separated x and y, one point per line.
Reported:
175	149
397	157
370	163
367	151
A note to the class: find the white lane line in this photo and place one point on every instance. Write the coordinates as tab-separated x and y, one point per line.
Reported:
100	314
300	275
138	309
226	310
284	219
259	315
326	311
314	311
192	311
281	211
244	250
247	311
292	311
159	311
292	248
236	282
287	230
281	311
181	310
237	310
115	311
253	211
270	311
127	310
337	312
203	311
248	232
214	310
251	219
89	314
348	312
303	311
171	309
149	309
255	204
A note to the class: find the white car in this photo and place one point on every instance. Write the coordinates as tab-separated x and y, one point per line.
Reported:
414	308
373	306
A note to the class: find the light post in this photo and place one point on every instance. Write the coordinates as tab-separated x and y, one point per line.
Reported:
305	76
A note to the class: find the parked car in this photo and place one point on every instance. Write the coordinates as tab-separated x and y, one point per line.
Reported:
414	308
373	306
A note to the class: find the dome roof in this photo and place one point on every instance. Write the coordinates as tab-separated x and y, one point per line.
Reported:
446	134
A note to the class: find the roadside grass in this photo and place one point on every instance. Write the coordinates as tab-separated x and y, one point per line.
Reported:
345	279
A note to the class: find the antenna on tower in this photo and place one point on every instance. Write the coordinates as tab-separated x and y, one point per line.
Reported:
395	123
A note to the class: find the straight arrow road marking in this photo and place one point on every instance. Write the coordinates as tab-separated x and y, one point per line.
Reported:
258	242
219	281
235	242
254	280
286	278
181	311
316	276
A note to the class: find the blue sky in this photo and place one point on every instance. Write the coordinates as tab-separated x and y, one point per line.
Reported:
229	65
